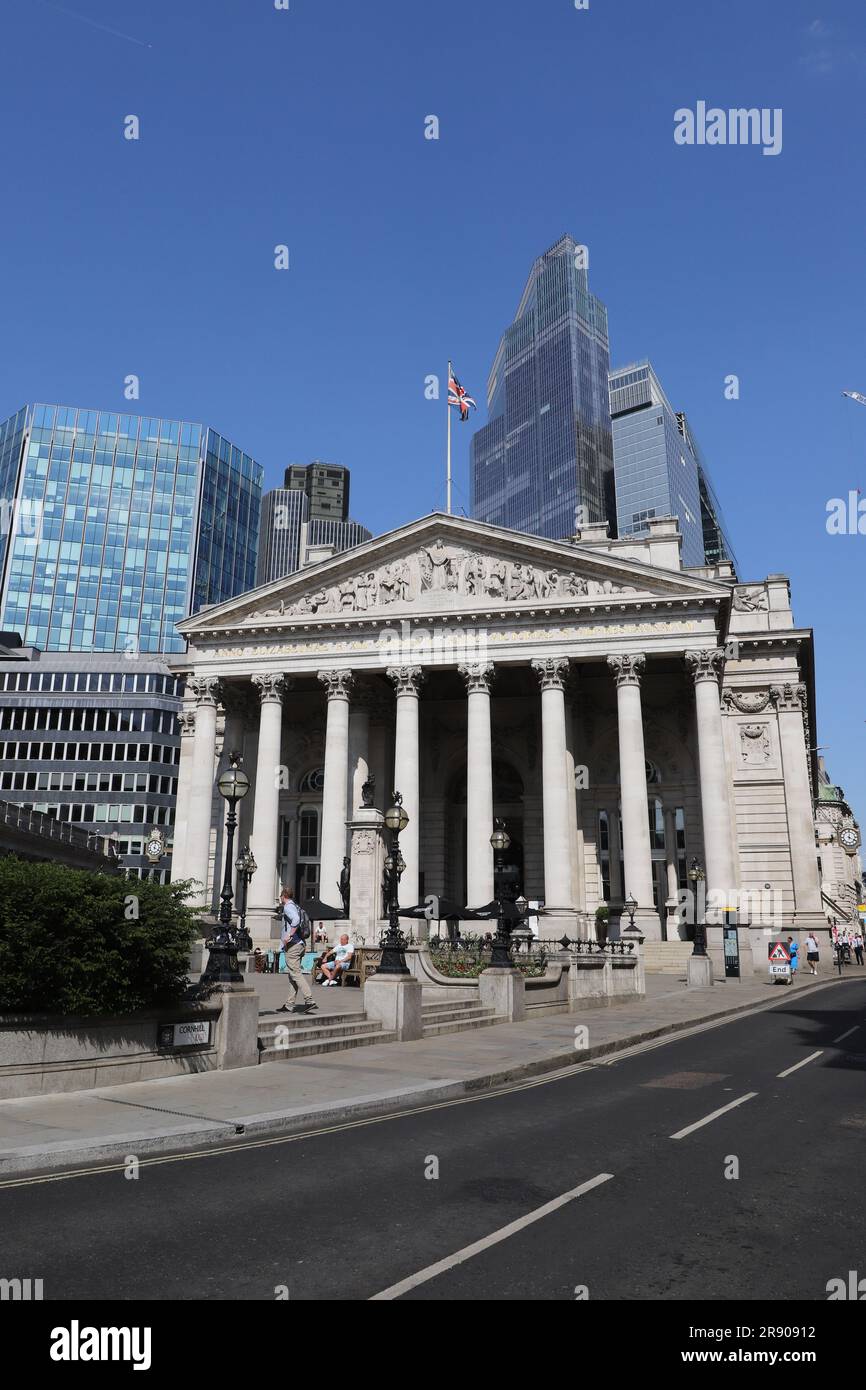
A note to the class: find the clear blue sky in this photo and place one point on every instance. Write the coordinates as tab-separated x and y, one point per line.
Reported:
305	127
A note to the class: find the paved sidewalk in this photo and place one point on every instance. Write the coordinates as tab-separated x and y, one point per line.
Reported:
45	1133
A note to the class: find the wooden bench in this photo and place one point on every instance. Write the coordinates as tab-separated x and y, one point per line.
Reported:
364	962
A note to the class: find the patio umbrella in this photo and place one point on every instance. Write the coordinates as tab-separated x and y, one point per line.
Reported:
437	909
317	911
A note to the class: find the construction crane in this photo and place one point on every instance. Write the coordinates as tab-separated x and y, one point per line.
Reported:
855	396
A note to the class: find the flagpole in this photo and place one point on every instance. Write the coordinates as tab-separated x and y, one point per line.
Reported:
448	466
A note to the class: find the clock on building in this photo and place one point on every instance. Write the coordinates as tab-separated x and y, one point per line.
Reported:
849	839
154	847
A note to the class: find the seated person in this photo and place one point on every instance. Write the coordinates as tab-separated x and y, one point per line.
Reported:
333	962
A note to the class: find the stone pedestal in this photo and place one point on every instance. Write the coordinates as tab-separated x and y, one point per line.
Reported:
503	991
238	1028
395	1001
699	972
368	853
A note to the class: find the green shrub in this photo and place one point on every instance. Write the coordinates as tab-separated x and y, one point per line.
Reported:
77	942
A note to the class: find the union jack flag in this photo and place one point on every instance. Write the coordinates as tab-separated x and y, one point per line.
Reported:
457	396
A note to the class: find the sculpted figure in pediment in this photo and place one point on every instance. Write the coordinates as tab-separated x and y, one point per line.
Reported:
474	575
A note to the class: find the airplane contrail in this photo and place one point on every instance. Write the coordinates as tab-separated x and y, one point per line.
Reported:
94	24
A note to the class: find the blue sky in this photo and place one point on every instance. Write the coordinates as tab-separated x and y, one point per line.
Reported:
306	128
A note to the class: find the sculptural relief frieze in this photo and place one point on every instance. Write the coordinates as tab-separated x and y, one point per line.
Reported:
443	569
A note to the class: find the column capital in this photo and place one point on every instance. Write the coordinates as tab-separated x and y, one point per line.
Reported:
407	680
628	667
478	677
706	665
791	698
272	686
186	721
338	684
552	672
205	689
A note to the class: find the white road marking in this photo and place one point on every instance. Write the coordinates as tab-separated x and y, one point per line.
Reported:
423	1275
798	1065
690	1129
843	1036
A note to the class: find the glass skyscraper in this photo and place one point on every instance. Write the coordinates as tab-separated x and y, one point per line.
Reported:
659	469
547	448
120	525
294	522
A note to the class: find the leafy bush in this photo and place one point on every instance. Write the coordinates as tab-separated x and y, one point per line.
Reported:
77	942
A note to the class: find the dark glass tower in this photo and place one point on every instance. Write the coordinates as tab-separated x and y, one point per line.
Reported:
547	448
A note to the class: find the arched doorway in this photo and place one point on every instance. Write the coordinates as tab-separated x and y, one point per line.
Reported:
508	807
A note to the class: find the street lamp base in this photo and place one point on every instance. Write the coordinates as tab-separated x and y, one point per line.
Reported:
699	973
222	967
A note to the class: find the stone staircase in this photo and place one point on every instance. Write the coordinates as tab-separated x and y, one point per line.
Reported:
456	1017
307	1035
666	957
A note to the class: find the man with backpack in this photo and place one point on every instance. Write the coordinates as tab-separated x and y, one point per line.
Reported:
294	937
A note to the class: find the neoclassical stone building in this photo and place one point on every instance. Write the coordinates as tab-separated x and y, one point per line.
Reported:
623	715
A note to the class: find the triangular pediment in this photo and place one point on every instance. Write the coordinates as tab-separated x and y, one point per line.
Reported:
448	564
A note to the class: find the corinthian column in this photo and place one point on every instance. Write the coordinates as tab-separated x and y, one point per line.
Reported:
479	784
637	861
706	668
407	681
205	691
272	687
790	702
338	687
186	720
556	791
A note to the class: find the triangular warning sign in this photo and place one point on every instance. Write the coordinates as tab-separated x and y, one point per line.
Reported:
779	951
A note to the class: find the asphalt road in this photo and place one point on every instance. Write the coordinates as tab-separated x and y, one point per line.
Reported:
636	1213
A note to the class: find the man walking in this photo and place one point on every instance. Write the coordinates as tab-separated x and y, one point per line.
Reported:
294	937
858	946
812	953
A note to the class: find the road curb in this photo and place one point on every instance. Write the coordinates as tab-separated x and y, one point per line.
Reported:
207	1136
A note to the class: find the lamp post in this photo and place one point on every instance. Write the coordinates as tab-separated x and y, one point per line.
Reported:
222	965
246	867
500	958
394	942
697	876
631	906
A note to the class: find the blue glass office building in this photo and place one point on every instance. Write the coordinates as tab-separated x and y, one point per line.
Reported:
547	448
659	469
122	525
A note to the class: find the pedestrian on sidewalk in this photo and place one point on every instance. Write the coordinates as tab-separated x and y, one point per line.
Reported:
858	947
812	953
296	930
794	952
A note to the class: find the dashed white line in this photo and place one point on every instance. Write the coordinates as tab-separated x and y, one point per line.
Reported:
798	1065
690	1129
423	1275
843	1036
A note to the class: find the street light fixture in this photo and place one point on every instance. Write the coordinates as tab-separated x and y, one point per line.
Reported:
222	966
631	906
246	867
697	876
500	958
394	942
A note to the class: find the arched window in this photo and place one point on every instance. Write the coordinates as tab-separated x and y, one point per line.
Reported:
312	781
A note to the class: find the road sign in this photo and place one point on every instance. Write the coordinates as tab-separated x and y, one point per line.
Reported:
778	951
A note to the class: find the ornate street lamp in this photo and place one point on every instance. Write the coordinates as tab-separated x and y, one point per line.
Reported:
394	942
222	965
246	867
500	957
697	876
631	906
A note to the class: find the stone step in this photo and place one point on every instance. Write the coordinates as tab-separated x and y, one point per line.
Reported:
313	1048
450	1006
667	957
312	1020
323	1028
452	1014
435	1030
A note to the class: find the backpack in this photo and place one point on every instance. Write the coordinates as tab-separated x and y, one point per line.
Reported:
300	933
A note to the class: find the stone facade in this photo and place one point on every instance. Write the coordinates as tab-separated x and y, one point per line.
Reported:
623	715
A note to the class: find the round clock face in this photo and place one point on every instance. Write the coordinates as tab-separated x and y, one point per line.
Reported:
154	848
849	838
